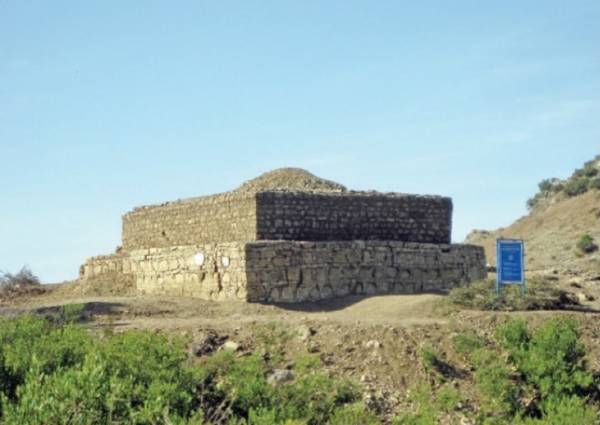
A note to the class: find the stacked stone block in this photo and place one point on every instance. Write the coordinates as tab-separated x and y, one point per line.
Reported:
310	271
290	246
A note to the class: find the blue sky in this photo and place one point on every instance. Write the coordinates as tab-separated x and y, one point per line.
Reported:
107	105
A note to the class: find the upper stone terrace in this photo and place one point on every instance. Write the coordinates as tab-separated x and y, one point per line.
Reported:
290	204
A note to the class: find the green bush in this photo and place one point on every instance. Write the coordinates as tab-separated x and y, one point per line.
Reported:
448	398
430	358
595	183
576	187
532	202
566	410
586	244
551	358
589	170
545	185
57	372
527	377
498	393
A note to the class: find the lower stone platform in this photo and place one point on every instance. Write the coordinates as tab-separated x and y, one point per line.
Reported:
290	271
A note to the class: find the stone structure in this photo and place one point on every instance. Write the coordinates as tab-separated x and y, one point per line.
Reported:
288	236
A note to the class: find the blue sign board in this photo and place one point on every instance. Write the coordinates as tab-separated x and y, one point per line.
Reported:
510	262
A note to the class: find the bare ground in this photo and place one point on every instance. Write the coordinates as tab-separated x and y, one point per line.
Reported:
375	341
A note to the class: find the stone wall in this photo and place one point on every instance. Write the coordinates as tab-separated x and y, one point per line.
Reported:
299	271
306	216
211	272
102	265
289	216
288	271
211	219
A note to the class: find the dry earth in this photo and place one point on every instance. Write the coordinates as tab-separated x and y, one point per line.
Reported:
375	341
550	233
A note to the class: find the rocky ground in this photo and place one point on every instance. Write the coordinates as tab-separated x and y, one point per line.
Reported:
375	341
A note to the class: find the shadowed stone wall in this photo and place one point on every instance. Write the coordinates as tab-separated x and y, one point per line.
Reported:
306	216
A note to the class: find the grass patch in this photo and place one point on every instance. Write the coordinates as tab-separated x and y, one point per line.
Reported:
540	295
467	343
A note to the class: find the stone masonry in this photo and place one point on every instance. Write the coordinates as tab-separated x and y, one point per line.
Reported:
288	236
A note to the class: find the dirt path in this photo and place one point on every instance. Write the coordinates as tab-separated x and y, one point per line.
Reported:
180	313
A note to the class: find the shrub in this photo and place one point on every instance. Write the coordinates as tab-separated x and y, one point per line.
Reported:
430	358
532	202
448	398
595	183
545	185
589	170
24	277
465	343
586	244
498	393
540	295
425	413
55	371
551	358
24	282
568	410
131	377
576	187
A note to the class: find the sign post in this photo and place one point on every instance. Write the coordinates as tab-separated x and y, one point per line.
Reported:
510	263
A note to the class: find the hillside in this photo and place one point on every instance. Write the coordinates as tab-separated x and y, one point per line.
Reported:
560	214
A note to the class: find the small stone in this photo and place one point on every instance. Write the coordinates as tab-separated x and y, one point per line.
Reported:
230	346
304	332
373	344
313	348
583	297
280	376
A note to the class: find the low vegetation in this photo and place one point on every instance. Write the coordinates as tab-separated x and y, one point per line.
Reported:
521	376
539	294
56	371
22	283
582	180
585	245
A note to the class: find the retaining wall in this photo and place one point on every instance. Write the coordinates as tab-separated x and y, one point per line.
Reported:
299	271
288	271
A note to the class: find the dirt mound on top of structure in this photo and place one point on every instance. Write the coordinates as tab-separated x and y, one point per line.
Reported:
290	179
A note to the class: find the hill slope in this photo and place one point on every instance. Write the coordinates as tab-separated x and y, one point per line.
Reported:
556	222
